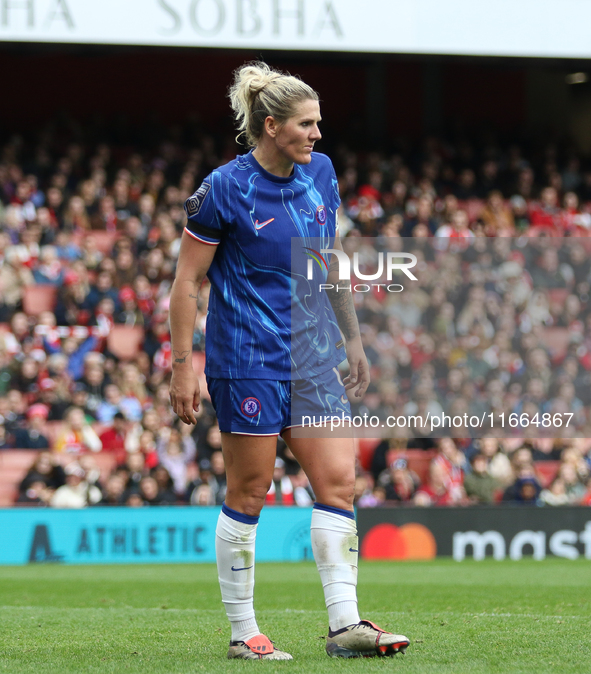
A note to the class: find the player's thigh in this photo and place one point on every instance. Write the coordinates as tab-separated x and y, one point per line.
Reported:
249	460
329	464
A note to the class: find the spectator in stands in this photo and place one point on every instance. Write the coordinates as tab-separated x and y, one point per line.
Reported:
148	490
103	288
80	399
77	492
49	270
575	457
574	487
114	490
113	438
546	215
32	435
497	218
176	449
437	491
202	495
217	477
14	276
147	446
399	482
134	500
45	469
36	494
549	273
281	489
302	490
131	384
130	313
135	470
15	418
555	494
480	486
114	402
453	463
498	463
525	490
77	436
166	493
25	379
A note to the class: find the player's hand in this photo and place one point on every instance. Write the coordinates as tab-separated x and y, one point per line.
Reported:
185	394
358	377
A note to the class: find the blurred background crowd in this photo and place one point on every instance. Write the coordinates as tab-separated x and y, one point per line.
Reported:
498	323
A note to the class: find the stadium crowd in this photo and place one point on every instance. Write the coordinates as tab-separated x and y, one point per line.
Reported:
497	326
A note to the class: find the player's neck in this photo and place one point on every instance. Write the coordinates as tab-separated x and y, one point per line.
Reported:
272	161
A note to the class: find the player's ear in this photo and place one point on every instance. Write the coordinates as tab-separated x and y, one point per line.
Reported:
271	126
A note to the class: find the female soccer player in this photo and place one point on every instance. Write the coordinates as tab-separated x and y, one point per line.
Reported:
262	375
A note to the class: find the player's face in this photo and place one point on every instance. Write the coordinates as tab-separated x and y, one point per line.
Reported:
295	139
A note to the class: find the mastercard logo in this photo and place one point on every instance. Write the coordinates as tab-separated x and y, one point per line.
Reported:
409	541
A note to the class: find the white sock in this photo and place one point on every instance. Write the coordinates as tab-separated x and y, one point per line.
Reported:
335	546
234	549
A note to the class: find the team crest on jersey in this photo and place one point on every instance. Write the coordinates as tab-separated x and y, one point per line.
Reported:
321	215
195	202
250	406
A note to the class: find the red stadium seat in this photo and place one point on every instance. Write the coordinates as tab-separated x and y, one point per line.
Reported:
367	447
39	298
474	208
124	341
14	465
546	471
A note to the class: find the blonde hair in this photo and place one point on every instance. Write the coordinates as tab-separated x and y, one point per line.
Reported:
258	92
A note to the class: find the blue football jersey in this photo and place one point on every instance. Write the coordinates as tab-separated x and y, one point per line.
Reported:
266	319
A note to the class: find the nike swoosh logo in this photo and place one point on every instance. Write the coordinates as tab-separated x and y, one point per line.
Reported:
260	225
351	550
244	568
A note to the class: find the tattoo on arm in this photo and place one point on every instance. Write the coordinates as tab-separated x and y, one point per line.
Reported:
194	297
180	356
342	303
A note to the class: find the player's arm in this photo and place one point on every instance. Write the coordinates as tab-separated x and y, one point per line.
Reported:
344	309
194	261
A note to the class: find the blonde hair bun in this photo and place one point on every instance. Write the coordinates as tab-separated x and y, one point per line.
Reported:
259	91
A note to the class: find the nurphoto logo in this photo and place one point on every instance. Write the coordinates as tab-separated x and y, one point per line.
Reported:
388	262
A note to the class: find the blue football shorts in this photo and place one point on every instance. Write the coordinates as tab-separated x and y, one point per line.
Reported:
269	407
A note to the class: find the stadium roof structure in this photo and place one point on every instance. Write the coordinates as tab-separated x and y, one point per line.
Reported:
517	28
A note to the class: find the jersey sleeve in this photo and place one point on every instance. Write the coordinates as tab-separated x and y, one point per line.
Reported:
206	213
335	188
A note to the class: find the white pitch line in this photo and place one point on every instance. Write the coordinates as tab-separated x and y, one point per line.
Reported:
407	614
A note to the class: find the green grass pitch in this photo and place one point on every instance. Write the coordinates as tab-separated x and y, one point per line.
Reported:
476	617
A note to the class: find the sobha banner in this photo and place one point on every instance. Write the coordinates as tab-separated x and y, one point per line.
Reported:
386	26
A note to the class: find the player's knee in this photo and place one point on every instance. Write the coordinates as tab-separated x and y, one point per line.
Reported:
338	495
250	497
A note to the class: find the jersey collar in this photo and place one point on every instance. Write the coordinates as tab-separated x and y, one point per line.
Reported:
270	176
